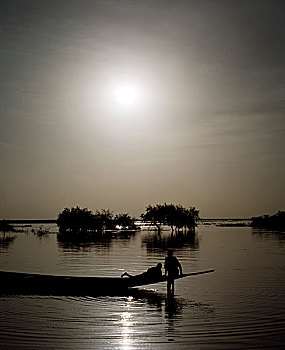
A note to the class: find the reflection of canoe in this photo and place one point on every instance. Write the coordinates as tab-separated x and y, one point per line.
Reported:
25	283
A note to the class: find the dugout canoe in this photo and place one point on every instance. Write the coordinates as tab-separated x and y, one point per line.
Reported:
27	283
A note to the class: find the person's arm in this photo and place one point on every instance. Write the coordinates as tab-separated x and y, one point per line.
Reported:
126	274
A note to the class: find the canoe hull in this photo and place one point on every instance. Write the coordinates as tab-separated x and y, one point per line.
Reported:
36	284
22	283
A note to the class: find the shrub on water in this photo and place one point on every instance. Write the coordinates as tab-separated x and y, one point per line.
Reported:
82	220
175	216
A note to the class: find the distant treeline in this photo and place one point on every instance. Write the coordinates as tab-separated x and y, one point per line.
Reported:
276	221
78	219
31	221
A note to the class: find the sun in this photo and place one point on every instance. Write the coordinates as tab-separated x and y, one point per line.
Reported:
127	95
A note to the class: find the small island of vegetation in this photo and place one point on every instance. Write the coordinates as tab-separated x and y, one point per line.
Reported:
82	220
175	216
5	226
276	221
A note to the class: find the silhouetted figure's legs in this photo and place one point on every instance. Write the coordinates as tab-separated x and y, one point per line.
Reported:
170	286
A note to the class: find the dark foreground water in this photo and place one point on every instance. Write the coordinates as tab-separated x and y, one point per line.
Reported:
239	306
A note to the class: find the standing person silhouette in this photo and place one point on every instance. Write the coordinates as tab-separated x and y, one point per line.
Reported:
173	269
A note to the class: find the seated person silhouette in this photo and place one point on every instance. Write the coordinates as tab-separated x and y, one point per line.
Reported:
153	273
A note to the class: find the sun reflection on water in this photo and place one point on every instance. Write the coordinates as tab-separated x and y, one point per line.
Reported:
126	326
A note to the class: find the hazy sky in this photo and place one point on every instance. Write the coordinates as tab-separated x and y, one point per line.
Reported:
121	104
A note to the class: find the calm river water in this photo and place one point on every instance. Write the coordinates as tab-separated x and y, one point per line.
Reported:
239	306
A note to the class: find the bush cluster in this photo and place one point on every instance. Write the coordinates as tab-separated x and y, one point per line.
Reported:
6	227
276	221
175	216
78	220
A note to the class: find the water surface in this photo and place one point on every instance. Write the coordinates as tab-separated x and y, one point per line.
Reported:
239	306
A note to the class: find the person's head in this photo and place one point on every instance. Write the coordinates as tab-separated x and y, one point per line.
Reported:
170	252
159	266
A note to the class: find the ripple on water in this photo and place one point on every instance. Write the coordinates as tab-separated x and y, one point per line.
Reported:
240	306
80	322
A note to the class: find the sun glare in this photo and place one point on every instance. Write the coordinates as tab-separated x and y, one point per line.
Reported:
127	95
